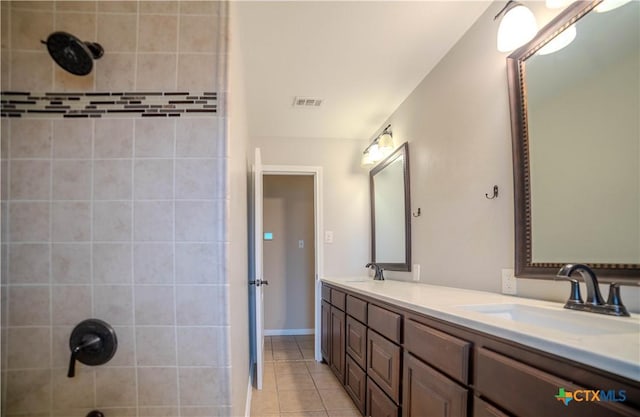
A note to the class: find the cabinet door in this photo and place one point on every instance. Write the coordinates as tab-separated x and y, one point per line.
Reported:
337	343
429	393
357	341
383	364
355	382
325	330
378	403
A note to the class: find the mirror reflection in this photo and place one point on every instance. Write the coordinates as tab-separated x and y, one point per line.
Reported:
390	225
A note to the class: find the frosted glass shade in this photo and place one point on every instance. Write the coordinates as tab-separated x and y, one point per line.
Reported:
385	143
608	5
517	27
560	41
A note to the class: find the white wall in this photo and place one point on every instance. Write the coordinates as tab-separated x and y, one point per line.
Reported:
457	125
345	194
237	255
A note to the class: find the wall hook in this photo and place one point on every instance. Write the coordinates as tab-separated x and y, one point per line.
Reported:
495	193
416	214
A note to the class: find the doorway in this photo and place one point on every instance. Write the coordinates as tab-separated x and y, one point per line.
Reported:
289	254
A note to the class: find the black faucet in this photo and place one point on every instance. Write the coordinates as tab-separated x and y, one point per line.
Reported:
595	303
378	271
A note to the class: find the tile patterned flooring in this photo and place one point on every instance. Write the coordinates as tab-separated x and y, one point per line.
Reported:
295	385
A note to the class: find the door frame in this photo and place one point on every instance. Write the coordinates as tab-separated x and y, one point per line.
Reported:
316	172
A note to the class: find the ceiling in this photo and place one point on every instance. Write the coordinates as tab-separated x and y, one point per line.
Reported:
361	58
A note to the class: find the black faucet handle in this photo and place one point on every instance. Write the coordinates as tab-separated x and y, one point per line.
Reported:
575	297
614	302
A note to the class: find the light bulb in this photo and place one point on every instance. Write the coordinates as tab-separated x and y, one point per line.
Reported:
563	39
517	27
385	142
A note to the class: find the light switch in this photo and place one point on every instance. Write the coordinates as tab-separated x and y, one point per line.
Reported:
301	244
328	236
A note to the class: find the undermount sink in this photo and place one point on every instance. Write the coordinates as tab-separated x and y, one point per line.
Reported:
562	320
357	279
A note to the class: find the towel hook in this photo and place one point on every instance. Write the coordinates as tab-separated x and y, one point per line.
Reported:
495	193
417	214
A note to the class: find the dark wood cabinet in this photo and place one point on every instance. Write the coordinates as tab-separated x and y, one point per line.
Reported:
482	408
355	382
379	404
383	364
325	330
337	343
429	393
357	341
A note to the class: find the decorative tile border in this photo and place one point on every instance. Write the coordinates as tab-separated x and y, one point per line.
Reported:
108	104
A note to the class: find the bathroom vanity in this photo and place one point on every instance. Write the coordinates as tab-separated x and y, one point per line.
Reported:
413	350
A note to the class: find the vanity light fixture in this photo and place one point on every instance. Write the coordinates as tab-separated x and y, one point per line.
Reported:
379	148
563	39
517	27
557	4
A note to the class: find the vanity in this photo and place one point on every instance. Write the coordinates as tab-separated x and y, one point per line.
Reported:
414	350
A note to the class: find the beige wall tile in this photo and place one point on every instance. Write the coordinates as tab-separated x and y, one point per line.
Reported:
29	306
125	354
170	7
158	411
197	72
198	34
71	221
199	7
72	138
153	263
157	33
29	27
29	221
29	347
204	386
157	386
115	387
29	263
66	81
112	221
114	138
201	305
156	346
153	221
197	137
71	263
112	263
70	304
76	6
60	345
28	392
153	179
71	180
30	180
116	32
154	138
30	138
199	263
5	28
156	72
113	304
5	70
211	411
112	179
116	71
198	179
31	71
73	392
32	5
118	6
154	305
200	220
80	25
202	346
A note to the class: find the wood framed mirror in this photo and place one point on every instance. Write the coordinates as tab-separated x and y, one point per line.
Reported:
391	211
576	145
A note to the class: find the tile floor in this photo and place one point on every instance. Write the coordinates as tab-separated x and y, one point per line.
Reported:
296	385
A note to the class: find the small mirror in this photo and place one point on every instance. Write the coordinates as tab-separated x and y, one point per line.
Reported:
390	212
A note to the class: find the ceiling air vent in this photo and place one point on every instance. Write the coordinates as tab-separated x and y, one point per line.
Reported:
306	102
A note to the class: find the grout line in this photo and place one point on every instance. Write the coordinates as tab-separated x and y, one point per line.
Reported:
91	236
51	148
133	278
175	287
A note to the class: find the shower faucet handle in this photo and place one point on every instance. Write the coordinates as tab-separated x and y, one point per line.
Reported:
92	342
89	341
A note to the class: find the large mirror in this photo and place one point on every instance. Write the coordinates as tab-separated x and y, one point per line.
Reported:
391	212
576	144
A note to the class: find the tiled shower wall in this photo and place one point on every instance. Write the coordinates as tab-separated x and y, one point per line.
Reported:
121	219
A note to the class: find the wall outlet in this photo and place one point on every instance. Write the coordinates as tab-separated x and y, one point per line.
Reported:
508	282
301	244
328	236
416	272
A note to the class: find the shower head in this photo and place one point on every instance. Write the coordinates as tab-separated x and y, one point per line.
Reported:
71	53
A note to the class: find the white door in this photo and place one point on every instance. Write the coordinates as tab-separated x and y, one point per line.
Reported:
256	280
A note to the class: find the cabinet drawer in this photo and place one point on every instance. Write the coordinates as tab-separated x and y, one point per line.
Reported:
383	364
440	350
357	341
338	299
355	382
482	408
429	393
529	392
357	308
378	404
385	322
326	293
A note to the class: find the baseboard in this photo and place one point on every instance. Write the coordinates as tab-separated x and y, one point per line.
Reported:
247	405
288	332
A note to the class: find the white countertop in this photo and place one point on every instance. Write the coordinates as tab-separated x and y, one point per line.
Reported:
617	352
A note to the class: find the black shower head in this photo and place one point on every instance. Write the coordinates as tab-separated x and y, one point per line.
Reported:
71	53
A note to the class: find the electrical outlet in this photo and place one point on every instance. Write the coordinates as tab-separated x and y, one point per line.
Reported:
416	272
301	244
508	282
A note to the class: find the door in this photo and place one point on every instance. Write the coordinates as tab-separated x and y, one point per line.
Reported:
256	279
